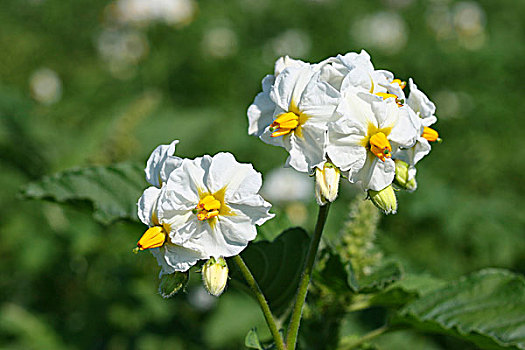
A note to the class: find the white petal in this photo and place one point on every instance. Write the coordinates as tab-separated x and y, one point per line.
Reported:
156	162
414	154
173	258
375	174
217	240
254	207
260	112
284	62
183	186
237	178
357	106
344	144
386	112
308	151
318	99
419	102
147	205
331	75
290	84
191	231
407	129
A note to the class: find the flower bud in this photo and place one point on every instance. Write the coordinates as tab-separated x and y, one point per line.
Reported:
384	199
171	284
215	275
405	176
326	183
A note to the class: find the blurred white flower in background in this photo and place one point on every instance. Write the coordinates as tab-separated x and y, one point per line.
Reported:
398	3
144	12
287	185
469	22
386	31
199	298
121	50
219	42
46	86
464	21
291	190
293	42
439	20
453	104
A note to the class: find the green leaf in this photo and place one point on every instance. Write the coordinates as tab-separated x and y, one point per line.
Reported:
252	340
277	266
334	274
381	277
112	191
486	308
407	289
340	277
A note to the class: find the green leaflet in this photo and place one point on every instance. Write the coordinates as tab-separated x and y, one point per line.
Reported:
341	277
486	308
112	191
406	289
252	340
276	266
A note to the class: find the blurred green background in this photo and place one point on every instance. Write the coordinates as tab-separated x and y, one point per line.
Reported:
99	81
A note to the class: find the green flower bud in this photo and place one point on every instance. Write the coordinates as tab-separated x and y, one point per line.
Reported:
326	183
215	275
171	284
384	199
405	176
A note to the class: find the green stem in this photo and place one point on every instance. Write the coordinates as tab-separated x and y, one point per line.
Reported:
302	289
348	344
270	321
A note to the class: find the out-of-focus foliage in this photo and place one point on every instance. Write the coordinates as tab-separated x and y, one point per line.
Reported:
80	86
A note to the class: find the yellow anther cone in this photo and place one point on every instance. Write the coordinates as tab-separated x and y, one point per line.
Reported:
430	134
380	146
284	124
154	237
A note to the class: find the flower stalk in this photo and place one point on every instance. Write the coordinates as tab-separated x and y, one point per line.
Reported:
270	320
302	290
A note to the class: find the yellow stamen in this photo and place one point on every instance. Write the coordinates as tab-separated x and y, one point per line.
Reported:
209	203
380	146
386	95
284	124
208	208
154	237
401	83
430	134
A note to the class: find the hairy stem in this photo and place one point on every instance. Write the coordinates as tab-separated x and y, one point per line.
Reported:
270	321
302	289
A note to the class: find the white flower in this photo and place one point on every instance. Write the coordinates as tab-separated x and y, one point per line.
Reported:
161	163
370	129
208	207
304	105
356	69
425	109
260	112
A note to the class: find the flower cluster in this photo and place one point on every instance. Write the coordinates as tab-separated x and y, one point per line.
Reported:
342	116
199	208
